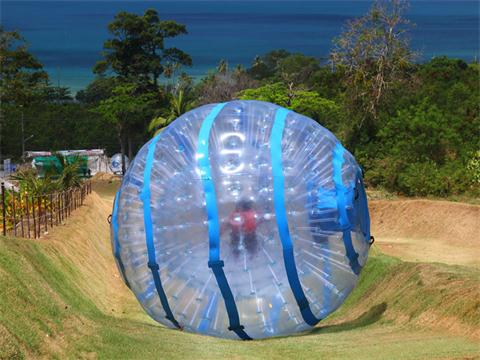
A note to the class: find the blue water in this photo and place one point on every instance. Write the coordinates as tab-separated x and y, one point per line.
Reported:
67	36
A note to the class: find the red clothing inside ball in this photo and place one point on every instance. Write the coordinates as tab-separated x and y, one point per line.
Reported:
243	221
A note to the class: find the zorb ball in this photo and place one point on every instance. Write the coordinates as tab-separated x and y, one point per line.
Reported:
116	163
241	220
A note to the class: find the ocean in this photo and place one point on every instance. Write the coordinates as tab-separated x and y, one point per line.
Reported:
67	36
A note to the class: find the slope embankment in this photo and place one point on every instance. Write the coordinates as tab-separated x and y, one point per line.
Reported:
426	230
61	296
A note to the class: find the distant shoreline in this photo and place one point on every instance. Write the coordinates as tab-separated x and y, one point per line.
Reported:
67	36
197	76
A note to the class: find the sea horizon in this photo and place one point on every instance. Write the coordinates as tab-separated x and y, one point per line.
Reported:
67	36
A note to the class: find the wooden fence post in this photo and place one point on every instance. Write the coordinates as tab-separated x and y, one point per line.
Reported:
39	204
22	215
34	218
58	209
14	215
45	212
64	206
28	213
4	211
67	204
51	210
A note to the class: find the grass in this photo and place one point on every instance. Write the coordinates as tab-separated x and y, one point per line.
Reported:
41	304
399	310
106	189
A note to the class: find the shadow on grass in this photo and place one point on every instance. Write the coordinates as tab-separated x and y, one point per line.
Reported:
367	318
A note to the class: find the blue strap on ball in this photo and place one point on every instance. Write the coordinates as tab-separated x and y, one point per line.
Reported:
343	220
152	260
281	216
214	262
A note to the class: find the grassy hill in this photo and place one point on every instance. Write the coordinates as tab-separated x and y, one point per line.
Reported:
61	297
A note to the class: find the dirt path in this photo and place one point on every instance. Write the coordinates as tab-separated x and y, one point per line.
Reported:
429	231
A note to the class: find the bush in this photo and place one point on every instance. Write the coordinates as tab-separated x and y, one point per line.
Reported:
421	179
422	151
308	103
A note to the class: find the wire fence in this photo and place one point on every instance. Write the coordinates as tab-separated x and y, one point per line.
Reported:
30	216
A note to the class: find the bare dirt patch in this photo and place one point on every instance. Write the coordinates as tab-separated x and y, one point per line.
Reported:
101	176
425	230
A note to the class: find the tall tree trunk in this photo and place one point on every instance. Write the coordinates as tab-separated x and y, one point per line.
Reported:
130	148
121	140
122	150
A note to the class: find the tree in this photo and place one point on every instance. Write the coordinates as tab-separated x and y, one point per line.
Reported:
57	94
422	152
137	51
297	69
308	103
266	66
374	54
224	84
99	89
179	105
21	74
22	78
124	109
222	67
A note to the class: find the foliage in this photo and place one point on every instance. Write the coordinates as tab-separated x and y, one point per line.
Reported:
223	84
374	55
99	89
473	168
308	103
281	66
413	127
57	94
125	110
296	69
30	183
70	175
421	152
21	75
124	107
137	50
179	104
264	67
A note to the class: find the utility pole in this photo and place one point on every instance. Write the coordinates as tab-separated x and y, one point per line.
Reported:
23	135
1	122
1	129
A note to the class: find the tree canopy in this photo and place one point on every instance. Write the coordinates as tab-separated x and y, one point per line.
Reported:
126	110
137	50
413	127
374	55
21	75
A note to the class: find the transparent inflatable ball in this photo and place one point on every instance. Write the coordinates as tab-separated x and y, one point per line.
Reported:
241	220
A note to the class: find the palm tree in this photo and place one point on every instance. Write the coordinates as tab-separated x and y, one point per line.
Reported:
222	67
29	181
179	105
70	175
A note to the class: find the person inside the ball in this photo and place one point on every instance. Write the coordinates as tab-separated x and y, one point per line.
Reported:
242	224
